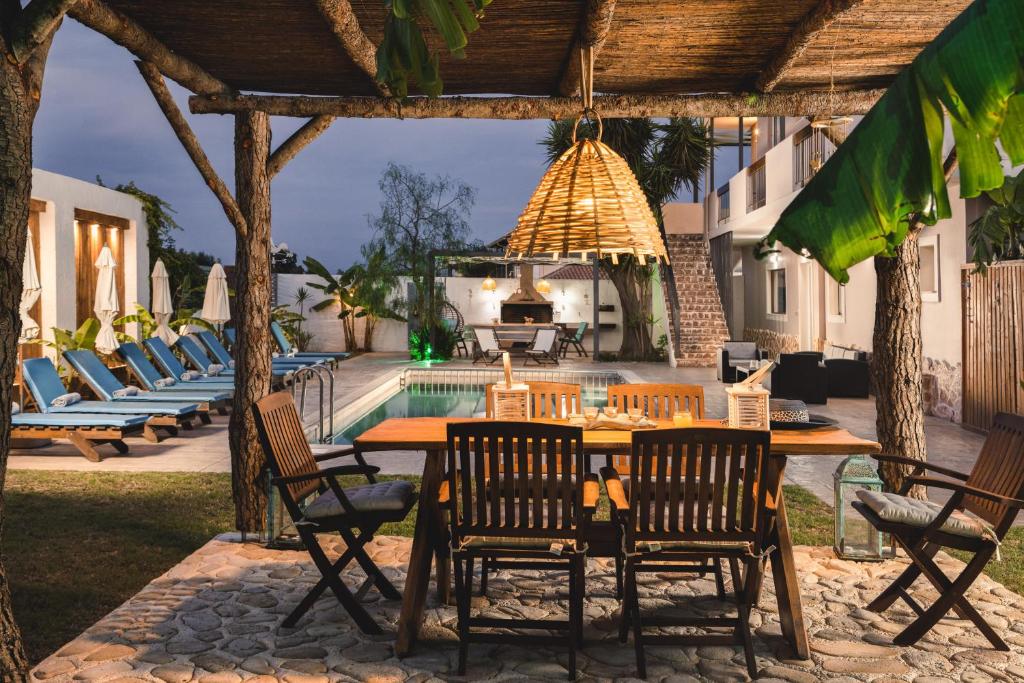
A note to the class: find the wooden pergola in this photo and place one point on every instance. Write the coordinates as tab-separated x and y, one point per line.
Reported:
315	59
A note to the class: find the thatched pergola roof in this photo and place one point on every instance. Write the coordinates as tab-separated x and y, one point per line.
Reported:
524	46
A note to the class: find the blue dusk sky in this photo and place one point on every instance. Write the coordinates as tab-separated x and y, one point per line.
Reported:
98	118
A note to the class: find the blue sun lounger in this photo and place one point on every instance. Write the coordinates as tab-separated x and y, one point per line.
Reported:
172	367
290	351
85	431
109	388
42	380
197	358
151	379
221	355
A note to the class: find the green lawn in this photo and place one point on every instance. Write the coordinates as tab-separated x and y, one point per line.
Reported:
77	544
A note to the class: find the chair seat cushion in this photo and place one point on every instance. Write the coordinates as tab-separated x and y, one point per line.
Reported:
384	496
920	513
695	546
519	543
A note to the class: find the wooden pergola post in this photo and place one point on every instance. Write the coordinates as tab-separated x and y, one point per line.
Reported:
252	316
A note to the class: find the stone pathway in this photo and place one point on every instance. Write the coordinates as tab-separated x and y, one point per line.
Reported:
214	618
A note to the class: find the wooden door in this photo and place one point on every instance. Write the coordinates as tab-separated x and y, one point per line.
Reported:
993	342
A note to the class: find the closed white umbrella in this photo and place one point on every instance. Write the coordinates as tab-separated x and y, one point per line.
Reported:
162	308
106	306
30	291
216	308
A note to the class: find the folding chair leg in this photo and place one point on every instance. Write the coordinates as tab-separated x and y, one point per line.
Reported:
574	588
357	545
119	445
952	595
904	581
716	568
634	606
462	602
316	591
362	618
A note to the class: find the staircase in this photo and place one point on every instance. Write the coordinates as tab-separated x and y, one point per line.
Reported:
701	319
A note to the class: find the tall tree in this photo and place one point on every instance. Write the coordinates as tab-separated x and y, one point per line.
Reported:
665	157
419	214
25	37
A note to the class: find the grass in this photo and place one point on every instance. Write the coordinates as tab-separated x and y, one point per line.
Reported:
77	544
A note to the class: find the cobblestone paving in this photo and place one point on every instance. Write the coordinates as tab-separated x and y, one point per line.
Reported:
215	618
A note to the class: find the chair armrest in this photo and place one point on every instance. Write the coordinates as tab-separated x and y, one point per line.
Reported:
591	492
967	491
920	465
330	472
336	453
616	492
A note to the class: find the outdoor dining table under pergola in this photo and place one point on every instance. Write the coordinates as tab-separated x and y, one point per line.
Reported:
428	434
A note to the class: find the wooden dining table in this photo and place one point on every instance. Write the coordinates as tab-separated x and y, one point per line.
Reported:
429	545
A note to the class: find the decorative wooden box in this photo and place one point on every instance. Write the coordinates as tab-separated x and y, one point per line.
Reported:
748	401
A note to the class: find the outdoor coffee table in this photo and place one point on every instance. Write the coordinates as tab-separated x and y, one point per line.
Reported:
429	434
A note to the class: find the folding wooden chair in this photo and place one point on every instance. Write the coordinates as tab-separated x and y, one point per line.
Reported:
695	495
980	511
360	508
542	349
486	349
534	517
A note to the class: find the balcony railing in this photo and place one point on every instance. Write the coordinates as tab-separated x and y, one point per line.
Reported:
756	188
723	203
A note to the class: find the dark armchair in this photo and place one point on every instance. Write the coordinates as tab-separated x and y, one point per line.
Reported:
735	354
801	376
848	373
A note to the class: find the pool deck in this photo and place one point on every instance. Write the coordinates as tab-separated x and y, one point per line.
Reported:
206	448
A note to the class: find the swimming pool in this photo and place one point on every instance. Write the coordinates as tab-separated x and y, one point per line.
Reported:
440	394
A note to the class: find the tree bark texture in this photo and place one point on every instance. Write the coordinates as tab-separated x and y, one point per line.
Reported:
17	111
896	361
252	317
634	291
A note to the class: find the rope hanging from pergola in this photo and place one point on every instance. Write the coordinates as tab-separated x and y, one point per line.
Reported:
588	201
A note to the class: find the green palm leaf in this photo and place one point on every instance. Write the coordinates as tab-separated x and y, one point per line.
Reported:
858	205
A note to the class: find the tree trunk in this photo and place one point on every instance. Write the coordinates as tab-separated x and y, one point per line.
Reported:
634	298
17	110
896	361
252	317
371	327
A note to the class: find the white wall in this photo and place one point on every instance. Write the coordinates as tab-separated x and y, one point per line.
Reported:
57	244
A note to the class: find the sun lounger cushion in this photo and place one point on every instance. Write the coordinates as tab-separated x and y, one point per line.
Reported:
129	407
214	369
384	496
77	420
920	513
65	400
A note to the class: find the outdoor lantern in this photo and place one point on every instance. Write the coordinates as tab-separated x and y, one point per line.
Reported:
489	284
280	531
856	539
588	201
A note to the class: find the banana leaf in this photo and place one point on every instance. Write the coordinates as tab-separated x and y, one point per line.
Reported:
890	167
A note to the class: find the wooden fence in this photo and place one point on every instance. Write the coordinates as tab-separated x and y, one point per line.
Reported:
993	342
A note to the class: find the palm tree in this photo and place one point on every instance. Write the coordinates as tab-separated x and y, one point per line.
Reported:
665	157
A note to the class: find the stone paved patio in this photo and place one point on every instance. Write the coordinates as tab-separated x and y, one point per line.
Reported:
214	619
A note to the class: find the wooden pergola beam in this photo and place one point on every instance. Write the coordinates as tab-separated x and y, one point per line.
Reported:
296	142
345	26
188	140
593	30
37	23
788	103
824	14
127	33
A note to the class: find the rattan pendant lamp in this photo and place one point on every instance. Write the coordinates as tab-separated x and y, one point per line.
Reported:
588	201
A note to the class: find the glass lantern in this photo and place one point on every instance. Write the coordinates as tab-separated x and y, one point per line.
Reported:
856	539
280	533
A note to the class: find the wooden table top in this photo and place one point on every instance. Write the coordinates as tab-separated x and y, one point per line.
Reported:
430	433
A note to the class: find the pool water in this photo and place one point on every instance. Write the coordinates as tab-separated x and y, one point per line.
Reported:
416	401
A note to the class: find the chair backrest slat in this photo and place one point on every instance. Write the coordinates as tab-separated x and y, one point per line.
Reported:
658	401
284	442
999	469
522	500
718	477
548	400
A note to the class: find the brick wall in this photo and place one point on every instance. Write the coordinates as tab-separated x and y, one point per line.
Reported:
701	319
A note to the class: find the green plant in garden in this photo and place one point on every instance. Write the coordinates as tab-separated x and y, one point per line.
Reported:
891	166
373	285
338	292
82	339
436	343
998	234
404	53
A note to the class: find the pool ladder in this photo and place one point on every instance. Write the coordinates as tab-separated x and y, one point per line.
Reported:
323	431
